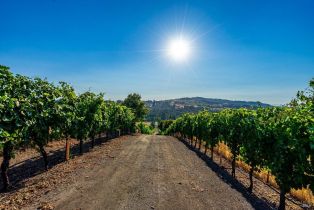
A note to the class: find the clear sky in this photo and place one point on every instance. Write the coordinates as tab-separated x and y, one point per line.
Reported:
245	50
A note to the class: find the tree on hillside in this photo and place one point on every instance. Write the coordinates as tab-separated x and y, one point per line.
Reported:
134	102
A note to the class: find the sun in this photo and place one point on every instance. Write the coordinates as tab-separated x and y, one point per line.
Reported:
179	49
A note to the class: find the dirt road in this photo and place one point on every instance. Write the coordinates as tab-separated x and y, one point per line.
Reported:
150	172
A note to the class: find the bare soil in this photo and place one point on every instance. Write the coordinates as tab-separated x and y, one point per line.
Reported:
151	172
262	192
132	172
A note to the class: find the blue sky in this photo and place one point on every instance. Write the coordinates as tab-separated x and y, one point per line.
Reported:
248	50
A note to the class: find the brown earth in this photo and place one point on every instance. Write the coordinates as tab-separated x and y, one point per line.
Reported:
151	172
133	172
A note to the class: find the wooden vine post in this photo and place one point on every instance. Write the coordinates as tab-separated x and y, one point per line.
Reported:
67	149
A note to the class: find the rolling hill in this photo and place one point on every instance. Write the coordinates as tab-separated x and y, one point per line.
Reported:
172	108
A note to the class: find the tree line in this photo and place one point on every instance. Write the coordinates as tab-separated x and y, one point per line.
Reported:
278	139
34	111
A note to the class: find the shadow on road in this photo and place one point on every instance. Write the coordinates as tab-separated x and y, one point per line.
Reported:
255	201
20	172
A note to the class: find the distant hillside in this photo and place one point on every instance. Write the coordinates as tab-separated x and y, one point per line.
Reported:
172	108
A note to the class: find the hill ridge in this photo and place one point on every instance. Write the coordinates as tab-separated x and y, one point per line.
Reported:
172	108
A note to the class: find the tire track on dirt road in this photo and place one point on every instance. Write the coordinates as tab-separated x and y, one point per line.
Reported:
151	172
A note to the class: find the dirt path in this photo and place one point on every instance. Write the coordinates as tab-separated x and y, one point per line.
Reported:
149	172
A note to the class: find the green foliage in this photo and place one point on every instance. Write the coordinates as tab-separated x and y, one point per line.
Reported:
35	111
292	163
134	102
163	125
278	139
14	106
66	110
144	128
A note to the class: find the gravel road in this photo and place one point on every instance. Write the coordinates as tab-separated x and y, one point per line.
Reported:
151	172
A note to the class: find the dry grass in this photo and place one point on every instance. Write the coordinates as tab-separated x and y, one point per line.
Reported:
304	194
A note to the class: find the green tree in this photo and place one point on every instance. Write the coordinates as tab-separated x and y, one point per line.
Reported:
14	107
43	114
213	132
81	124
66	114
235	127
94	116
304	98
252	146
163	125
34	111
134	102
293	148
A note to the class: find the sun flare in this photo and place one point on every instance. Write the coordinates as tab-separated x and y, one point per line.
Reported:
179	49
